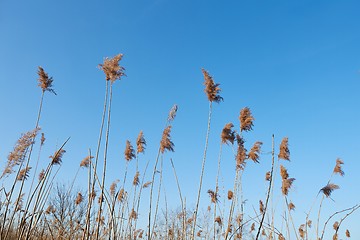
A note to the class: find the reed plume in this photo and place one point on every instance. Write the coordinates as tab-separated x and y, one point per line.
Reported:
45	82
227	134
23	174
291	206
246	119
347	233
338	167
79	198
255	151
211	89
214	196
129	151
172	113
17	156
112	69
113	187
166	143
286	181
57	158
136	180
328	189
284	149
86	161
230	195
241	153
140	143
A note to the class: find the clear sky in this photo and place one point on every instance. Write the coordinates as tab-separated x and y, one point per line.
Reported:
294	63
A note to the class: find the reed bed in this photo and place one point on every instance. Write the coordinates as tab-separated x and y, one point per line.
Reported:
34	204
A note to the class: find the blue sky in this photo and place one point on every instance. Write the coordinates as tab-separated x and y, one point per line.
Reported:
294	63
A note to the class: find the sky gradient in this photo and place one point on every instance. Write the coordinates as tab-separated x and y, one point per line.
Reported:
295	64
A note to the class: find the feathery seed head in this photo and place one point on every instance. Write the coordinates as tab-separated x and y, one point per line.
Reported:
286	185
347	233
140	143
291	206
211	89
17	156
284	149
57	158
213	195
86	161
227	134
246	119
45	82
136	180
230	195
261	207
338	167
112	69
329	188
113	187
172	113
255	151
79	198
268	176
218	220
129	151
283	172
166	143
23	174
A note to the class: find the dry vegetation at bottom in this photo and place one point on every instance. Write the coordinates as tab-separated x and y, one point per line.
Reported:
40	210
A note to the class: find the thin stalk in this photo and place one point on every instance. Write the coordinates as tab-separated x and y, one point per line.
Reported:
202	171
105	161
269	189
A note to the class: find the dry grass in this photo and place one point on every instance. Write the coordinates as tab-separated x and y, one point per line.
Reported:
101	211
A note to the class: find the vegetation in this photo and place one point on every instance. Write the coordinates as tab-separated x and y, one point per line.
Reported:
44	210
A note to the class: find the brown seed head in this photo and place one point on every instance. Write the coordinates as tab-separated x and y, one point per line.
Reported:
45	82
291	206
309	223
218	220
255	151
112	69
246	119
284	149
335	237
41	175
133	214
281	237
79	198
286	185
241	154
113	187
86	161
329	188
50	209
268	176
338	167
227	134
57	158
129	151
347	233
213	196
261	207
166	143
17	156
23	174
302	230
283	172
252	227
147	184
136	180
230	195
211	89
140	143
121	196
336	225
42	139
